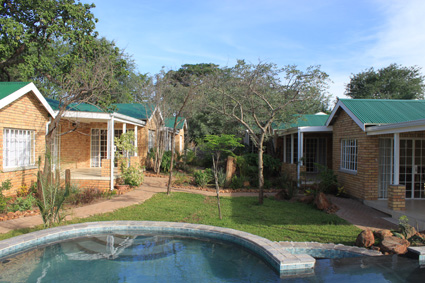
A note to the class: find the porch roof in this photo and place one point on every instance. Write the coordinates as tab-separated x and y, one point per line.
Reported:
307	123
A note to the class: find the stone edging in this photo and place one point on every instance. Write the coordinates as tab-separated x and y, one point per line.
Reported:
279	258
327	250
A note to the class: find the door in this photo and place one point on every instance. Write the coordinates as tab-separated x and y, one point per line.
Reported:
412	167
99	147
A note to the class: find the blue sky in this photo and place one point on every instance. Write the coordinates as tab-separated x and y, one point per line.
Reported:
344	37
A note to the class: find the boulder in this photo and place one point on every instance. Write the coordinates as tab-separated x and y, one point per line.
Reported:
394	245
322	202
306	199
381	234
365	239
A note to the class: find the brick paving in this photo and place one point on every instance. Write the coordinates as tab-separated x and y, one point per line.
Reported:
351	210
361	215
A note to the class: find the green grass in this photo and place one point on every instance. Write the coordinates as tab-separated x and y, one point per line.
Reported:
275	220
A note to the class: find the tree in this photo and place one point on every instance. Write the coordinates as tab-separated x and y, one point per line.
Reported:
218	146
28	29
257	96
392	82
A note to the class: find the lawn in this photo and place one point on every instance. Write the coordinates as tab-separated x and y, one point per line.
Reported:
275	220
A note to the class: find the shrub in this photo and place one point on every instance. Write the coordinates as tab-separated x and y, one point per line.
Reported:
133	176
180	179
328	180
248	165
221	176
202	178
189	156
236	183
166	161
6	185
23	203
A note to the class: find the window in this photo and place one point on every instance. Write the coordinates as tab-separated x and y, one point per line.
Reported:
18	148
349	154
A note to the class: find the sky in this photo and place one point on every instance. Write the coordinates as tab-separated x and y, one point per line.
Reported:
343	37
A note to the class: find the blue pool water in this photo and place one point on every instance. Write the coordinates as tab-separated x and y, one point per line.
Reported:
165	258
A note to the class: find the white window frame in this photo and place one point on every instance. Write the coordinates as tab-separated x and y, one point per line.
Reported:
349	155
23	143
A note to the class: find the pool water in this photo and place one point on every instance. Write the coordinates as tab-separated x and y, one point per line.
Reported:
147	258
166	258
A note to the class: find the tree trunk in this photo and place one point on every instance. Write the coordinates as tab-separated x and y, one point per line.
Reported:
171	165
260	170
217	188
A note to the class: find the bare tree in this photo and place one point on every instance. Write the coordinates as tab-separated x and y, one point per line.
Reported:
257	96
87	82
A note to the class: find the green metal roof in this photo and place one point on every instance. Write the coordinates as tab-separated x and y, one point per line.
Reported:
307	120
138	111
385	111
7	88
169	123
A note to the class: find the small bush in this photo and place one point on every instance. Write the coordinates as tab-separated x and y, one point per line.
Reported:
133	176
83	196
181	179
6	185
202	178
328	180
189	157
221	175
166	161
22	204
236	183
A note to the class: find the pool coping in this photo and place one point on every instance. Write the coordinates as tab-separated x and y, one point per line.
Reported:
280	259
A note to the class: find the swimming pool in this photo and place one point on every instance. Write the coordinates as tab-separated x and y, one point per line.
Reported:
132	251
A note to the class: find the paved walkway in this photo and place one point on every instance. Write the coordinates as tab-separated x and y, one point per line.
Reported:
361	215
351	210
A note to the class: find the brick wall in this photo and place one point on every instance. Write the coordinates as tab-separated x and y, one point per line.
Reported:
364	183
25	113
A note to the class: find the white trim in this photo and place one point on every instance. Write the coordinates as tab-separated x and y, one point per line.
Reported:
396	160
403	127
135	140
112	153
103	116
24	90
305	129
340	104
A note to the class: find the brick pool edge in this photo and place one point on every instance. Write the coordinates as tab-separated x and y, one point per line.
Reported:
279	258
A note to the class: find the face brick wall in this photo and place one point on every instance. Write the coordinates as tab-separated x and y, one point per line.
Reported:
25	113
364	183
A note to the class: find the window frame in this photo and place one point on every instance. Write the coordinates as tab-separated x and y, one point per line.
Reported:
349	155
27	137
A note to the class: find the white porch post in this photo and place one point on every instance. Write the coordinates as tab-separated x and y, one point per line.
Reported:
284	149
396	159
112	149
292	148
124	128
135	140
300	153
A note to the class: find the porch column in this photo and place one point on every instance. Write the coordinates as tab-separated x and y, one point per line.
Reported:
111	135
124	128
396	161
135	140
300	154
292	148
284	149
